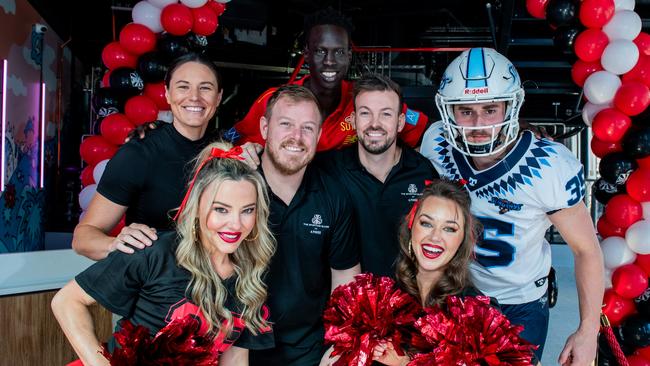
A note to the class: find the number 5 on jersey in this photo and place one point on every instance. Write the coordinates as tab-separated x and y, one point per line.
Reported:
491	250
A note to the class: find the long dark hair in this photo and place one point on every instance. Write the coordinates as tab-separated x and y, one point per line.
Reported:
455	277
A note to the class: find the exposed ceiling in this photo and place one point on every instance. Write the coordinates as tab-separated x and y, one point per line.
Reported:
526	41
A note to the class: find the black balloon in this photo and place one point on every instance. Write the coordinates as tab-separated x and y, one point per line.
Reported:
197	43
127	81
107	99
636	143
603	190
152	68
562	12
564	39
643	303
635	331
171	47
616	168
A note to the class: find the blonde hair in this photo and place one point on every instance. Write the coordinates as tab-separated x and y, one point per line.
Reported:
250	260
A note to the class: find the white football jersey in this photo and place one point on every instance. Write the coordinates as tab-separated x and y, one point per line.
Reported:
512	199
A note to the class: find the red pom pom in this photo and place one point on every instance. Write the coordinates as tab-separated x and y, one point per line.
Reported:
364	313
178	343
471	332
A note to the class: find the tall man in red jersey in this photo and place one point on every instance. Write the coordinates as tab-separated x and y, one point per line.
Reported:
328	51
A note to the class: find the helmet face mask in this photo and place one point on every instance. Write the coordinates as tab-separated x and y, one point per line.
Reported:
480	76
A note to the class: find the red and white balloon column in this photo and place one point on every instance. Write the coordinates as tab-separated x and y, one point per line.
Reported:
132	90
613	67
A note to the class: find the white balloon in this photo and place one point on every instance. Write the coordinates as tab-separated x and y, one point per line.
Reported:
223	1
99	170
162	3
616	253
623	5
625	24
601	86
148	15
86	195
166	116
194	3
637	237
607	274
590	110
620	56
646	210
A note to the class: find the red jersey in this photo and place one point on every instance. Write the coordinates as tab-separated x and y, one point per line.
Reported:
337	127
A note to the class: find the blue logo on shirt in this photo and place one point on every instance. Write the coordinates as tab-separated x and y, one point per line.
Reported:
412	117
231	135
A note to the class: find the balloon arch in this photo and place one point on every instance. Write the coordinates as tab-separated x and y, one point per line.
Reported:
613	68
132	90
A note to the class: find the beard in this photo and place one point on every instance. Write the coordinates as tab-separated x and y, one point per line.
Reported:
290	165
377	147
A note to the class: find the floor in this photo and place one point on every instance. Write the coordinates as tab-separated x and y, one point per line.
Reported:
564	316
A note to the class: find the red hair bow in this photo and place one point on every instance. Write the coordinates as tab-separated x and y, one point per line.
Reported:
234	153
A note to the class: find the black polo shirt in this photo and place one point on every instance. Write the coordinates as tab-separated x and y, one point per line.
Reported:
314	233
379	207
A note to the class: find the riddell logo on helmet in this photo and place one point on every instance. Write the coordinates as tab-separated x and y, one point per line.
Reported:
477	91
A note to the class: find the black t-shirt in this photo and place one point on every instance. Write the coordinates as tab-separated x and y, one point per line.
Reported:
379	207
149	289
315	233
149	176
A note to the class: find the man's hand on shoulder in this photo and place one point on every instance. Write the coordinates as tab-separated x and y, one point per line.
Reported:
133	236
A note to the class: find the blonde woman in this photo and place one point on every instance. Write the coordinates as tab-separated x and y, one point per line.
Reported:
211	266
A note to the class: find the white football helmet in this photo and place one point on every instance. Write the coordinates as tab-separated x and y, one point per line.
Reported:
480	75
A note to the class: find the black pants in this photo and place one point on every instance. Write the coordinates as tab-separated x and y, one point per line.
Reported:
288	355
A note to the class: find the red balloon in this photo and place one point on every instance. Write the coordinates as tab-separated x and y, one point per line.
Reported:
629	281
106	79
617	308
637	360
156	92
610	125
640	71
137	39
638	185
623	211
596	13
601	148
643	261
118	227
606	229
632	98
644	163
219	8
87	176
115	56
205	20
176	19
116	127
643	43
141	109
537	8
590	44
95	149
581	70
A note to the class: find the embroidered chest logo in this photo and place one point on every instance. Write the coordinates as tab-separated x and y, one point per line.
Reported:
317	220
316	225
411	193
504	205
472	181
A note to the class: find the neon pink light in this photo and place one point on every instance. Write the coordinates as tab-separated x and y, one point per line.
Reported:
4	124
42	135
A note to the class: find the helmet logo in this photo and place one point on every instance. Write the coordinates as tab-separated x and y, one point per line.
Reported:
474	91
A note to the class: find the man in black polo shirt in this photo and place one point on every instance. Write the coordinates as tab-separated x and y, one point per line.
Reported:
313	225
383	177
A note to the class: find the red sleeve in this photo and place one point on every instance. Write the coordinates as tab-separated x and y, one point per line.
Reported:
416	124
248	129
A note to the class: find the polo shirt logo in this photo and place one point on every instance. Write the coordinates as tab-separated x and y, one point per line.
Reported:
413	188
317	220
412	117
316	225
